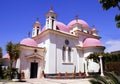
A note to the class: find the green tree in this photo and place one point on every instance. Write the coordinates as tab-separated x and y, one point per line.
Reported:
0	52
95	55
107	4
111	61
14	51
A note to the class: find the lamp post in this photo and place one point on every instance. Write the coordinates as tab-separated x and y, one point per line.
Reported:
101	66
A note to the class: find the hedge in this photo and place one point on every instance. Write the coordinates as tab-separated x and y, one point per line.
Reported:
113	66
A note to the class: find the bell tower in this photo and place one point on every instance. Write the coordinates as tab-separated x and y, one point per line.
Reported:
51	19
36	28
94	31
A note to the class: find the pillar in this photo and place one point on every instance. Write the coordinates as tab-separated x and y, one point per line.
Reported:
86	67
101	66
66	56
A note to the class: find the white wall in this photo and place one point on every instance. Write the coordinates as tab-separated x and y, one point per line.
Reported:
53	59
25	62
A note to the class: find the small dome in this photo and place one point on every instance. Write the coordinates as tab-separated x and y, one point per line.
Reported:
51	11
37	23
60	26
94	30
6	56
81	22
29	42
91	42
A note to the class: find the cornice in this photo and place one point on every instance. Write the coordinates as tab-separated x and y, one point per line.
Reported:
94	47
89	47
85	34
32	48
55	32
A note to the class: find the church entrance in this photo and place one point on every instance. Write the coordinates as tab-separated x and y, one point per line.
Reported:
34	70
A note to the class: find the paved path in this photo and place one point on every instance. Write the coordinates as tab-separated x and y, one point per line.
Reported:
51	81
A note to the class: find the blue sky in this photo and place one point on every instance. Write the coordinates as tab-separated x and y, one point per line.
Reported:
17	17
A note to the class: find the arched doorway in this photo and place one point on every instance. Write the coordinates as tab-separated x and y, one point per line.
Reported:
33	70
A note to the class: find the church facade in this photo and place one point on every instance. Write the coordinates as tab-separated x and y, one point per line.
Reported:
59	48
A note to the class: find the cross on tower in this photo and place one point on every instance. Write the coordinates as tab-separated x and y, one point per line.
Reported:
51	7
37	19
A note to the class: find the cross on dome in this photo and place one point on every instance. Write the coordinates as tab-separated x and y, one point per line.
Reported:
28	34
76	17
93	26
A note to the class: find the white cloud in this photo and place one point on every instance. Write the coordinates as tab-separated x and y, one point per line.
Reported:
112	45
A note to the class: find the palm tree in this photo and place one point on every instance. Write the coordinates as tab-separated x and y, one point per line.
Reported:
0	55
0	52
14	51
110	78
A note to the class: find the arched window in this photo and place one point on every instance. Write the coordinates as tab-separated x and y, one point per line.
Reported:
33	32
37	31
52	17
57	28
63	54
69	54
47	21
52	24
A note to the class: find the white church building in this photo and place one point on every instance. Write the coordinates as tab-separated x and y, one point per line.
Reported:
59	48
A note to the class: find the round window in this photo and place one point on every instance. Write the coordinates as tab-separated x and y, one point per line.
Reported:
66	42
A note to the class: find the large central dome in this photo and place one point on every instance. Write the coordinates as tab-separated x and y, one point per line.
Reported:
62	26
81	22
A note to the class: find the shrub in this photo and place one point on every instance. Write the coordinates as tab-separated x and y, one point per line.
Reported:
6	73
109	78
113	66
1	72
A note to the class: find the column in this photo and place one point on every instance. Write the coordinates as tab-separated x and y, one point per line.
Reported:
66	56
50	22
86	67
101	66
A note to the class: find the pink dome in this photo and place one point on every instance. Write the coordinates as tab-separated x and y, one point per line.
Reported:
81	22
51	11
93	29
6	56
60	26
29	42
91	42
